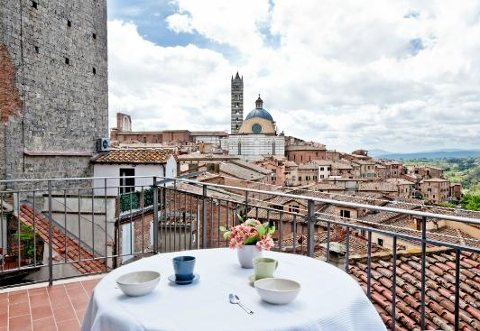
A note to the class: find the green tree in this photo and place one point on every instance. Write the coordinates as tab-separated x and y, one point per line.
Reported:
471	201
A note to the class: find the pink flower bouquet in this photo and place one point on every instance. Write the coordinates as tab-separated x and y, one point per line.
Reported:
250	232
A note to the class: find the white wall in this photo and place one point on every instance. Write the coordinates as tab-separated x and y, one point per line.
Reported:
113	170
254	146
171	167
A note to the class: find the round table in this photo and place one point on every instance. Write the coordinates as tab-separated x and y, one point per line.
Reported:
329	299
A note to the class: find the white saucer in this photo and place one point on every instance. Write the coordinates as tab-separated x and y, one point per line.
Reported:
195	279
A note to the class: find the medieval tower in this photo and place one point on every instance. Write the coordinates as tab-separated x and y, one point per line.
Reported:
53	86
237	104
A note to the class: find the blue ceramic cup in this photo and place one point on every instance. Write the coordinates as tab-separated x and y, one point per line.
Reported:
183	266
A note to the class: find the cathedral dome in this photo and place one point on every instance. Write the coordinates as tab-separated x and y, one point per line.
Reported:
259	111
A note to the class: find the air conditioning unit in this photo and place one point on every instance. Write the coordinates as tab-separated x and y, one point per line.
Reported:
103	145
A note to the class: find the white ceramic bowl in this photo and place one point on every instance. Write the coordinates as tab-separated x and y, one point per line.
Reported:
138	283
278	291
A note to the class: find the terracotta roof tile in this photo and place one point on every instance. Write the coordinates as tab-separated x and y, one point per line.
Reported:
440	290
72	249
145	156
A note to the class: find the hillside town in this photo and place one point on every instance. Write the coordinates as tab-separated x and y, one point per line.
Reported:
82	203
255	155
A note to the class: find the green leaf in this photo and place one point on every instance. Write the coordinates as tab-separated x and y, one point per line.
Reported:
251	240
251	222
226	235
261	230
240	218
271	230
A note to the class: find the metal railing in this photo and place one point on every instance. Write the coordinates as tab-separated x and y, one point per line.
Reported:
186	214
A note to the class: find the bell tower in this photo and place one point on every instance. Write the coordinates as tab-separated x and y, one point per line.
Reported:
236	104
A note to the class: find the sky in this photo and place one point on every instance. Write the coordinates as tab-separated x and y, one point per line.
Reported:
401	76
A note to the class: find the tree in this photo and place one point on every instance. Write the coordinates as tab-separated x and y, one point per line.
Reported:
471	201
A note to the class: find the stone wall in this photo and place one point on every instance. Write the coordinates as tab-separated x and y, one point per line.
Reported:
58	53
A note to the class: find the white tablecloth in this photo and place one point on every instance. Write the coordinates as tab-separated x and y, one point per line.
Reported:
329	299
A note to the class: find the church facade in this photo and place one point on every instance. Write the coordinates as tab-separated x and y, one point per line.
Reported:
255	136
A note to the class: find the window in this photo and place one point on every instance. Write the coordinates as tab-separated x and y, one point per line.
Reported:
127	184
67	60
69	23
300	178
322	176
37	50
345	213
239	148
380	242
321	169
34	4
315	178
94	35
94	71
293	209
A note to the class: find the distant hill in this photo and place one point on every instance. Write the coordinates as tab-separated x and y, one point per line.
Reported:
448	153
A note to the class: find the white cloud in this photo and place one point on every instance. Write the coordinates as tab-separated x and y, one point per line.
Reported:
180	23
383	74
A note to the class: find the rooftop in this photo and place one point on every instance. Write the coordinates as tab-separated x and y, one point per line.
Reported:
138	156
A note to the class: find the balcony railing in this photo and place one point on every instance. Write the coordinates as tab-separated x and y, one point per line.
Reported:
418	264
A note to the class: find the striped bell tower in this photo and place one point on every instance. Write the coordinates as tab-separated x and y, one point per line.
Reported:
236	104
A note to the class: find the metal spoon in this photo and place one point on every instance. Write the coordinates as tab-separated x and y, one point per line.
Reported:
236	301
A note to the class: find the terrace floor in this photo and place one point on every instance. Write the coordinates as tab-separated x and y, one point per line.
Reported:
39	307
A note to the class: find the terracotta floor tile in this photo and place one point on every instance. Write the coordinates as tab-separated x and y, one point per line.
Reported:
71	325
41	312
3	329
70	286
15	298
79	303
20	324
19	309
39	301
80	313
45	324
3	320
37	291
63	314
77	292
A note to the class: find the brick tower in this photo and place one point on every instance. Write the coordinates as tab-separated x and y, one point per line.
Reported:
53	86
237	104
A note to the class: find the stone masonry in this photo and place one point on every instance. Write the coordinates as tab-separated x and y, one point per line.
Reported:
53	86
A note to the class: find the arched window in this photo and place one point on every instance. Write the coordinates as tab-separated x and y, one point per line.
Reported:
239	148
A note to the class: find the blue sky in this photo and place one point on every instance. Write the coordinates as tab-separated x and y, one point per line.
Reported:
393	75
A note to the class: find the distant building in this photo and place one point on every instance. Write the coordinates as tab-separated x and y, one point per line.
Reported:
300	151
126	163
236	113
123	134
436	190
257	136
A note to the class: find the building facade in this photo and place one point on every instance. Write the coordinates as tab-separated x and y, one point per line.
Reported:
53	87
257	137
236	104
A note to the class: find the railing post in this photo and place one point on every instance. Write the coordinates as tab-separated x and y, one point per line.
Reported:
204	217
50	225
310	227
424	266
155	215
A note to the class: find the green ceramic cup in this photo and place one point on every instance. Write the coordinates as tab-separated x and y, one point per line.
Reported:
264	267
